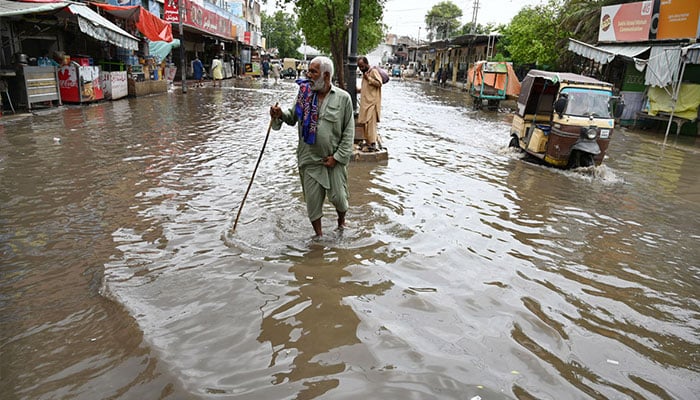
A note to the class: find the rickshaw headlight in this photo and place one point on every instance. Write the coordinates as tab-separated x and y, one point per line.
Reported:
591	133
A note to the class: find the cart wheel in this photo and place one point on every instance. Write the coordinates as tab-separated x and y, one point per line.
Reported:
493	105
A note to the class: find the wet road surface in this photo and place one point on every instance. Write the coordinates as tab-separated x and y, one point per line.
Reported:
465	269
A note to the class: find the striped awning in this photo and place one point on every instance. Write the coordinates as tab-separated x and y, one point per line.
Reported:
691	54
607	52
12	8
97	26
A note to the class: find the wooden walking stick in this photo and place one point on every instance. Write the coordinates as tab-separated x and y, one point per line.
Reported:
269	127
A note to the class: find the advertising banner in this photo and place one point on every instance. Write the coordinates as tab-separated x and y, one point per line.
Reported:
199	17
679	19
171	11
626	22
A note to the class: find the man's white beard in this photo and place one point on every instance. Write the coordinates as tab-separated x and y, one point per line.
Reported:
318	85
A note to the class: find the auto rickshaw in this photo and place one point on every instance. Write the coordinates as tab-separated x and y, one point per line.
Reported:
289	67
565	119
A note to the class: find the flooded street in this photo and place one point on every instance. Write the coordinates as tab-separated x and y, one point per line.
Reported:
465	271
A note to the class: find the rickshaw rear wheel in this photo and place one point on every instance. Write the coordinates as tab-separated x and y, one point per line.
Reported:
514	142
579	159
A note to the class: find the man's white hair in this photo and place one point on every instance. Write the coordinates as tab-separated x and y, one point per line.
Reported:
325	65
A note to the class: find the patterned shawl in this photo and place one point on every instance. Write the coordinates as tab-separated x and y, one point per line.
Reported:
307	110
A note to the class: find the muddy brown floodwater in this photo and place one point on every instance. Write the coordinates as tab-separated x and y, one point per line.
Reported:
466	271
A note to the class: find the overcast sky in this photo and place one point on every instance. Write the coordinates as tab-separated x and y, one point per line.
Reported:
404	17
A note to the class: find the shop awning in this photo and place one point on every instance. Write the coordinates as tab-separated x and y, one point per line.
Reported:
691	54
607	52
152	27
97	26
10	8
663	66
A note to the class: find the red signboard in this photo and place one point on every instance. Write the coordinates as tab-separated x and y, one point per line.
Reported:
197	16
626	22
171	11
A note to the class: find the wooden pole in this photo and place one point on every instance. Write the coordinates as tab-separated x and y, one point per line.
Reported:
269	127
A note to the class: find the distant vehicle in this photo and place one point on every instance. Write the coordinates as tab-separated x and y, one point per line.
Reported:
411	71
396	70
564	119
491	81
289	67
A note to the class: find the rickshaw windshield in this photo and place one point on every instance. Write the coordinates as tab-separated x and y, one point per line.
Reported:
588	102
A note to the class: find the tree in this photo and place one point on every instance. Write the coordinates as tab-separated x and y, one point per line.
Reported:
532	35
325	26
442	21
466	29
280	30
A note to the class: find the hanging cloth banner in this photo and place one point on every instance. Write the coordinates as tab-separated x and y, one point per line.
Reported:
152	27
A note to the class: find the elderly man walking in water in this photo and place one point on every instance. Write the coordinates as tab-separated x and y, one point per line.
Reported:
326	126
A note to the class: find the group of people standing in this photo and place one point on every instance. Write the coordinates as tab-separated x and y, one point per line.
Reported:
274	68
324	116
217	71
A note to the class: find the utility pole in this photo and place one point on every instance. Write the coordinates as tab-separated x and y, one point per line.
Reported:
474	14
351	78
183	72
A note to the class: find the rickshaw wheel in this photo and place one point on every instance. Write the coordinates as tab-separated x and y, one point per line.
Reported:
514	142
579	159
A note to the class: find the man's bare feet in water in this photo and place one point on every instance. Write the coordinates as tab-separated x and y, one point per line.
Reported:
341	220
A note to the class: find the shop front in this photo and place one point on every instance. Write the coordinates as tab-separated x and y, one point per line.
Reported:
48	51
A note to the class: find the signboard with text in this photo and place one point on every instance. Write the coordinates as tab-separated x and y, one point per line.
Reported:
679	19
199	17
171	12
626	22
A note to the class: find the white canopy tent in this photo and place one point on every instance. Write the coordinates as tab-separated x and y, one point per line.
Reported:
308	51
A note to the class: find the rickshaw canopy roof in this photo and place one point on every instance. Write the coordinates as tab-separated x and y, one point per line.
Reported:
540	88
567	77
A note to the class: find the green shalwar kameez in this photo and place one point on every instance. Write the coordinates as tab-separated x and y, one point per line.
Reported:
335	134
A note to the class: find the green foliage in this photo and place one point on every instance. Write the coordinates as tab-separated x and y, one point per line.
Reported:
533	34
442	20
323	23
466	29
280	31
